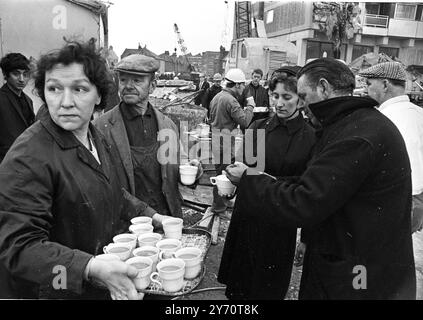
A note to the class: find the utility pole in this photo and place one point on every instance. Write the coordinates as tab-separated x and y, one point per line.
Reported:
1	39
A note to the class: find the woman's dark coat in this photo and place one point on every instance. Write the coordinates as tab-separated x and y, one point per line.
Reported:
258	254
58	207
355	197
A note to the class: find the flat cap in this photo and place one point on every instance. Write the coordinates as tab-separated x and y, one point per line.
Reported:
138	64
385	70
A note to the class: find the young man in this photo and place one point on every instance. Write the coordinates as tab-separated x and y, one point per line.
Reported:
260	95
212	92
16	110
386	84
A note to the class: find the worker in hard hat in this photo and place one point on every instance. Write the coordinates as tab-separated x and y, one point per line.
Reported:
225	115
212	92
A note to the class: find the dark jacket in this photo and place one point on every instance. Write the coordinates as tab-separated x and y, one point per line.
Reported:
265	248
209	95
12	120
58	207
259	93
113	128
355	197
201	91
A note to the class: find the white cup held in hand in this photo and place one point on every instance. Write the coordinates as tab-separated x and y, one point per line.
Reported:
224	185
188	173
171	273
172	228
144	266
122	250
193	261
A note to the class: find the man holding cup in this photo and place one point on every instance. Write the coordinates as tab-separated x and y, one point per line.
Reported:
134	127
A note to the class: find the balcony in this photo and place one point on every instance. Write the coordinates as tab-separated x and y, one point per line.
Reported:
376	21
376	25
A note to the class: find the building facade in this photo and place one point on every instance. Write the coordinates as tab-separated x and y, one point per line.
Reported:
395	29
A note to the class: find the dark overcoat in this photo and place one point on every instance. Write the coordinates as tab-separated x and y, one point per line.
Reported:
355	198
265	248
58	208
12	120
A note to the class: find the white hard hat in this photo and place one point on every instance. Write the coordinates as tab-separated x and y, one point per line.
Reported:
235	75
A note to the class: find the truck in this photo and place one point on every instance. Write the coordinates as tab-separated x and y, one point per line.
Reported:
266	54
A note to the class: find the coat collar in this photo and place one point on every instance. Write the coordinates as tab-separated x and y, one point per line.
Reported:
67	140
292	125
329	111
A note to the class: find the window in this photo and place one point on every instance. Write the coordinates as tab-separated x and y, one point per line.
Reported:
243	51
391	52
405	11
360	50
269	17
233	50
315	49
372	8
419	15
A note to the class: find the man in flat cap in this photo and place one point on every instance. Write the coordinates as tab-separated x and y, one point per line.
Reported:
134	127
354	197
386	84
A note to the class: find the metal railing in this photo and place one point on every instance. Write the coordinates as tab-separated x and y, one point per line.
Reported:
374	20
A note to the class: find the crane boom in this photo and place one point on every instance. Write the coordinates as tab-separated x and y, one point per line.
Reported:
181	42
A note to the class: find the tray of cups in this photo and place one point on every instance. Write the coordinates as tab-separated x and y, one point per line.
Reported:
179	270
169	263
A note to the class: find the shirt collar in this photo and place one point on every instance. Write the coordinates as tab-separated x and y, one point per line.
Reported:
387	103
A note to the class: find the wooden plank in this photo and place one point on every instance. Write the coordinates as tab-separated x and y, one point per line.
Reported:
207	219
215	229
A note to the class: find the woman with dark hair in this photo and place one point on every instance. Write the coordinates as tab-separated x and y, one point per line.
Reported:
60	199
258	254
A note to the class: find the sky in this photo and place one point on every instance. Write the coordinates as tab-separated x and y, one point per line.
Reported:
202	24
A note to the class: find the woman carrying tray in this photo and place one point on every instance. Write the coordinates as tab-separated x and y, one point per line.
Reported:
258	254
60	198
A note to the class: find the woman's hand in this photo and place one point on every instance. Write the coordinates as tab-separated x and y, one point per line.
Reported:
117	277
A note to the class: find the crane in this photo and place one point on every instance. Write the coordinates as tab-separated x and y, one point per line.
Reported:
182	46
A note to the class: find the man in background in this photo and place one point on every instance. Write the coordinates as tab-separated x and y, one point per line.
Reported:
259	94
212	92
202	87
16	109
386	84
